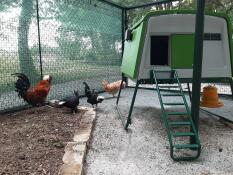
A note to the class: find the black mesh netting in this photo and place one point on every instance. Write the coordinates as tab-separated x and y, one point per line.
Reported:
80	41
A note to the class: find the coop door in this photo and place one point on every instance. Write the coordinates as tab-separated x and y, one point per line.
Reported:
159	50
182	50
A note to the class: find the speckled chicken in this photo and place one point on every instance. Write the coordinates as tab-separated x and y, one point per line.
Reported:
112	88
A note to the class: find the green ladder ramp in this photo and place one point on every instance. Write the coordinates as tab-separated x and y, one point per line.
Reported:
170	124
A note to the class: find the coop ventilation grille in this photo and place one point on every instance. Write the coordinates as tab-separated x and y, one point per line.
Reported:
212	36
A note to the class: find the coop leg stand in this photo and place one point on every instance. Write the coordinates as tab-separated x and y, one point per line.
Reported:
119	94
190	98
231	83
189	91
117	108
131	106
122	118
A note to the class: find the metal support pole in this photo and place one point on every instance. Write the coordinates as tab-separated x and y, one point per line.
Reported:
119	93
39	42
189	91
112	4
124	26
231	84
126	19
197	63
131	106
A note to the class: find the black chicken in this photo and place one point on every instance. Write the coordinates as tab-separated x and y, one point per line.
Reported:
92	95
71	102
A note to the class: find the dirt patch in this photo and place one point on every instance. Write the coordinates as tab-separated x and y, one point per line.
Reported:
33	141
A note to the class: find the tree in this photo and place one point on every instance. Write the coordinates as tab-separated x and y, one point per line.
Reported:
81	22
25	18
224	6
25	58
136	14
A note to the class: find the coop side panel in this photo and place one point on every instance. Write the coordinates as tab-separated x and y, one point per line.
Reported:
132	52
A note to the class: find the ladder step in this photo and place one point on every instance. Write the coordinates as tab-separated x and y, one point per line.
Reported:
173	104
169	86
167	80
177	113
185	146
180	134
179	123
172	95
162	71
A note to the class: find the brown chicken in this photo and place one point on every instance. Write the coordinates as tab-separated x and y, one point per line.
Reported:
33	95
113	87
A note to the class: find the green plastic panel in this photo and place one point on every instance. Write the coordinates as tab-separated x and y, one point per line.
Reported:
182	51
132	53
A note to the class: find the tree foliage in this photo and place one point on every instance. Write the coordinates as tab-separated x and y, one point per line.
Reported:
223	6
27	10
5	4
87	29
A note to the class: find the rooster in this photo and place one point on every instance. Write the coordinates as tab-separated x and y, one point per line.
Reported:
71	102
112	88
32	95
92	95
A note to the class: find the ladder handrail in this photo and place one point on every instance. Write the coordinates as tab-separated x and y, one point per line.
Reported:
171	134
187	107
163	110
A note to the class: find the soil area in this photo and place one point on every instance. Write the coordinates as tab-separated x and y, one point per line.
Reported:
33	141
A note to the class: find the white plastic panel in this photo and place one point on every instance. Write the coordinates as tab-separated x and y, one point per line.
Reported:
216	54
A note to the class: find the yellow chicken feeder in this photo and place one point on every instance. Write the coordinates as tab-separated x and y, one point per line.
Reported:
210	98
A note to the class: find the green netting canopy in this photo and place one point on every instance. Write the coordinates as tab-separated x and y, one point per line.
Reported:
73	40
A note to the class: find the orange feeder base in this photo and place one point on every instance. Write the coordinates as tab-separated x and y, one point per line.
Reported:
210	98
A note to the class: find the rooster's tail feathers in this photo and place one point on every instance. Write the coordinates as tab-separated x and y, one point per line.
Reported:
86	86
76	94
22	84
87	90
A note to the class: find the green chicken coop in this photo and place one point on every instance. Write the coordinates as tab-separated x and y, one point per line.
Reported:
165	40
159	49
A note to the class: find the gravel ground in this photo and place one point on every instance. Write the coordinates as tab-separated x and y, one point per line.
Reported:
143	150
